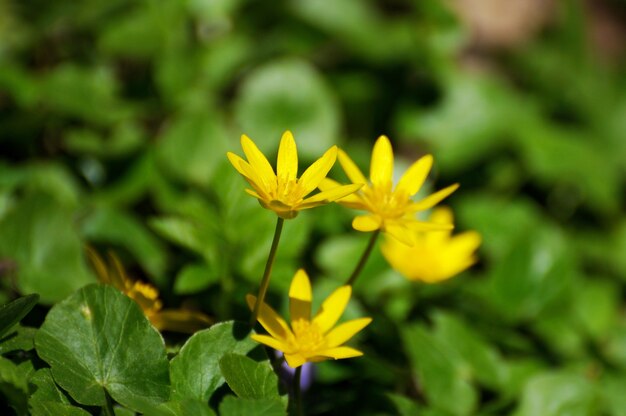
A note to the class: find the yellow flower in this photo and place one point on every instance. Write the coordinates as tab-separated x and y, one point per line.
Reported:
309	340
147	297
436	255
390	210
283	192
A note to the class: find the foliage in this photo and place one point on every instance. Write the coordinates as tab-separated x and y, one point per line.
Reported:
115	121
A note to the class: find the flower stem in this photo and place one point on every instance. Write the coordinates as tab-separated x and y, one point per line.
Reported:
297	392
265	282
363	259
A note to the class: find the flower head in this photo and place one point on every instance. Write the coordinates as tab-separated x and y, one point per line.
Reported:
436	255
283	192
309	340
147	297
389	210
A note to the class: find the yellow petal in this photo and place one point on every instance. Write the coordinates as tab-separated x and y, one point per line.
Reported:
366	223
441	215
119	277
257	160
244	168
433	199
421	226
300	297
350	168
314	174
345	331
287	166
333	194
401	233
381	165
352	200
294	360
253	193
414	177
332	308
180	320
465	243
270	320
271	342
340	352
99	266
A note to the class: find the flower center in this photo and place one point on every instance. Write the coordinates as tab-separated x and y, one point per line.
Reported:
386	203
309	337
287	191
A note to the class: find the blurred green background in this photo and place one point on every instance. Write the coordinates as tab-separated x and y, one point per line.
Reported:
115	117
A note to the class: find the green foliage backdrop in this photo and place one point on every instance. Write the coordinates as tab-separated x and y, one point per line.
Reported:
115	118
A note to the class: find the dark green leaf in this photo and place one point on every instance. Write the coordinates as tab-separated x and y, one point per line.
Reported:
249	379
99	341
234	406
195	370
13	312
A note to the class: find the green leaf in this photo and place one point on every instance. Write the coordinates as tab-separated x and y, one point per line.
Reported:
404	406
557	394
13	312
179	408
195	370
268	104
98	341
440	371
485	363
192	146
14	383
37	234
234	406
46	398
537	270
22	339
195	278
249	379
118	227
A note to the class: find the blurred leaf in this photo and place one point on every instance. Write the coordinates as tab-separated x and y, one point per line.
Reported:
233	406
37	234
145	30
537	270
195	370
404	406
472	121
192	145
557	394
487	366
98	341
13	312
247	378
86	93
440	372
597	305
288	95
564	157
120	228
124	139
360	27
195	278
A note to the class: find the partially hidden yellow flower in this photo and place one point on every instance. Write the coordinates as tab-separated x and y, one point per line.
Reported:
147	297
436	255
389	210
283	192
309	340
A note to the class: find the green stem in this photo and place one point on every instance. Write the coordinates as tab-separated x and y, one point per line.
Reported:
297	392
108	406
363	259
265	282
